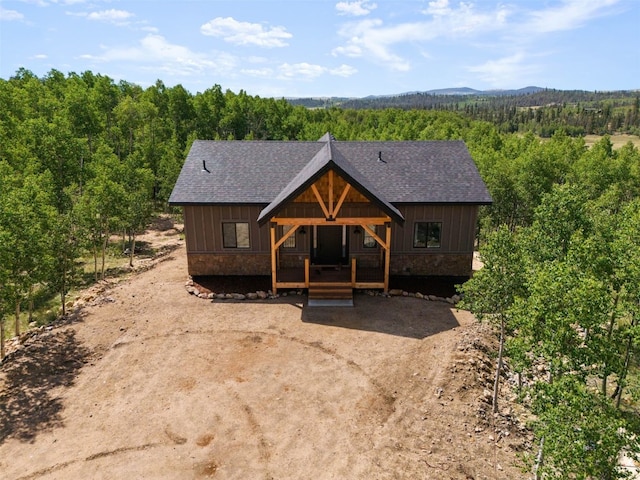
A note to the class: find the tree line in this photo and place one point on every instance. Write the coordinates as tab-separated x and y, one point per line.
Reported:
541	112
83	158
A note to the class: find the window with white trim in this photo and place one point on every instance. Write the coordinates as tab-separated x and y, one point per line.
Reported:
235	235
291	241
367	239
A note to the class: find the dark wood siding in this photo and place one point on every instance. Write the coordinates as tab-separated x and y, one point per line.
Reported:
458	228
203	228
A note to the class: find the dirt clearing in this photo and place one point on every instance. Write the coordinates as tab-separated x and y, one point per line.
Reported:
150	382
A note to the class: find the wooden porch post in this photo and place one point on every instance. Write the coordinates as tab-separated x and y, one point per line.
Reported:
353	272
387	257
274	288
306	272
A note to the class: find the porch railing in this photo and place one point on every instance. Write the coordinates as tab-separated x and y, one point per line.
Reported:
330	275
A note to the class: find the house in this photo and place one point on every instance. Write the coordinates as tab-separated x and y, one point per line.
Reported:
329	214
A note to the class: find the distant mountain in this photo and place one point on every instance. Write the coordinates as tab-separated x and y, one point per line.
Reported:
493	93
469	98
323	102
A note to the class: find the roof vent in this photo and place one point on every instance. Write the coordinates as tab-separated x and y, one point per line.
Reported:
380	158
204	166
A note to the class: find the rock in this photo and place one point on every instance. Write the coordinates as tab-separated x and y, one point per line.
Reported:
228	296
433	298
262	295
450	300
221	296
411	294
188	283
211	296
456	298
252	295
395	292
419	295
238	296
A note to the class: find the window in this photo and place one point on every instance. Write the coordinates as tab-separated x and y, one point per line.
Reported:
291	241
427	234
235	235
367	239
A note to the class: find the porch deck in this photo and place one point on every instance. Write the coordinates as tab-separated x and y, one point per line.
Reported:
335	275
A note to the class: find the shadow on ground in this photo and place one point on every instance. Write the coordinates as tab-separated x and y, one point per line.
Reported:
46	360
389	316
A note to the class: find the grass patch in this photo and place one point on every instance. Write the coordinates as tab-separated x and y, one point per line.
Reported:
618	141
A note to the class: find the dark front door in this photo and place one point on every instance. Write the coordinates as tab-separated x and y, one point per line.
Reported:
329	247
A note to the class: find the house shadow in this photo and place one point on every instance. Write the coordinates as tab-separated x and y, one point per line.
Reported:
47	360
399	316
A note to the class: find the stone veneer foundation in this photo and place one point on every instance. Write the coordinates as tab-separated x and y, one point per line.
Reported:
260	264
217	264
433	264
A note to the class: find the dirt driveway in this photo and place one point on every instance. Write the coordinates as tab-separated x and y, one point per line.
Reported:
153	383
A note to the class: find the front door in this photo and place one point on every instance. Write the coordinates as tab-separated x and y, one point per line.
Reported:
331	248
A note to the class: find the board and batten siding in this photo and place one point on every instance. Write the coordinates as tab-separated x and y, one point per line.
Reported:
458	228
203	228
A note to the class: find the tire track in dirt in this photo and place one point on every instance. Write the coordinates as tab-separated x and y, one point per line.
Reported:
96	456
314	344
255	427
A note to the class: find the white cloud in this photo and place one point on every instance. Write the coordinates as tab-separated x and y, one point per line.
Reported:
438	8
300	70
308	71
112	15
116	17
378	42
464	19
46	3
369	38
245	33
40	56
506	71
570	14
10	15
343	71
155	52
357	9
258	72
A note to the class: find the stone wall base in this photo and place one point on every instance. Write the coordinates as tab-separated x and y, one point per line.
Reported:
432	264
260	264
215	264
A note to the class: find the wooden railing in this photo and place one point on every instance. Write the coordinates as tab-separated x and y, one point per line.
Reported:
350	280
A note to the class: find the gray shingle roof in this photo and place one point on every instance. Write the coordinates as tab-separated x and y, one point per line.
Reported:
260	172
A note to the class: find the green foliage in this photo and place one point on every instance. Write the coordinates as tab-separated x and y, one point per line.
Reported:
83	157
568	287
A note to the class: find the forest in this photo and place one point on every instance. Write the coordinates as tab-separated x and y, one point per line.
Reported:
535	110
83	159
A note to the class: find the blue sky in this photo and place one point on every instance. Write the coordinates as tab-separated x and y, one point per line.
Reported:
298	48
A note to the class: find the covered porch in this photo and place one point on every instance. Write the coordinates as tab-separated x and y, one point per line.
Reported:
348	274
330	197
